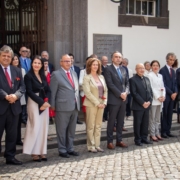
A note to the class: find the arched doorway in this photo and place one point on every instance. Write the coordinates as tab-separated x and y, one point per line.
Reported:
23	23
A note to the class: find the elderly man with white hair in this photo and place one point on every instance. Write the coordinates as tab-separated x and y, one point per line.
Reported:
142	95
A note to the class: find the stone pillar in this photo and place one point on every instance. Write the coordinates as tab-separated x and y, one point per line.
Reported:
67	30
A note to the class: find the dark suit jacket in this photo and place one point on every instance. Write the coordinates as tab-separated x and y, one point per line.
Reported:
34	86
51	67
126	70
18	88
114	84
139	93
77	70
178	79
103	68
169	82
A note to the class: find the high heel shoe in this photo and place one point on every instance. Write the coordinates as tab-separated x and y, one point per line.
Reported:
93	151
36	158
99	149
43	158
155	140
159	138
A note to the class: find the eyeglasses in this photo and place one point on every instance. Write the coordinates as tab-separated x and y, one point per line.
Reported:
24	51
67	61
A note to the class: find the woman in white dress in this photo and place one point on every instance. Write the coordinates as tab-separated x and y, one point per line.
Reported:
158	99
16	62
38	91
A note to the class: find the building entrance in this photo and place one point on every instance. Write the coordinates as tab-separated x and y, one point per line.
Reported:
24	23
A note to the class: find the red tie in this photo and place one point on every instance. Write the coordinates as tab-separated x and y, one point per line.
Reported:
70	79
171	72
8	78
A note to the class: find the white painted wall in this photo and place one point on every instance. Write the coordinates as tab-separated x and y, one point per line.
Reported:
139	43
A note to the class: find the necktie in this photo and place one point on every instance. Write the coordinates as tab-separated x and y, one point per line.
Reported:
170	72
70	79
72	68
25	62
119	73
8	78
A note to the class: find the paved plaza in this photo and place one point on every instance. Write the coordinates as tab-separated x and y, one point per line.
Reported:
159	161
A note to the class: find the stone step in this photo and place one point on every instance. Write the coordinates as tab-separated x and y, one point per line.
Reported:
80	137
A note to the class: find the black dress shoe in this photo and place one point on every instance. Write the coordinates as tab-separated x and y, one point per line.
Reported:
24	122
64	155
37	160
171	135
146	142
43	159
13	161
138	144
164	136
20	143
51	121
73	153
79	122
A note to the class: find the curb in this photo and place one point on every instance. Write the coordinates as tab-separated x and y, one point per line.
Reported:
81	138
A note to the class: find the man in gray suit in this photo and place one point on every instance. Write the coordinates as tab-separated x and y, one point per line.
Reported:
65	101
118	87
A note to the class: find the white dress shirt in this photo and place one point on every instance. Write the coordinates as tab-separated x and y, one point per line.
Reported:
130	73
157	86
81	77
68	72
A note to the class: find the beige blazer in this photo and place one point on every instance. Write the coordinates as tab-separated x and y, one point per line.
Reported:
91	92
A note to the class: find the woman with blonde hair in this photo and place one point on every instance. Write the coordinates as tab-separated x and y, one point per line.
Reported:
95	90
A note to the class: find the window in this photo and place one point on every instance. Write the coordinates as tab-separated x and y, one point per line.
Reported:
144	13
141	7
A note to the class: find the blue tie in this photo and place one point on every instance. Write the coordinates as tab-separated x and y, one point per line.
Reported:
119	74
25	62
72	68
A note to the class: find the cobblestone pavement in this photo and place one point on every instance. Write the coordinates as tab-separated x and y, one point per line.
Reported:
159	161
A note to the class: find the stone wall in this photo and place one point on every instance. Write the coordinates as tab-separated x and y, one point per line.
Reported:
67	30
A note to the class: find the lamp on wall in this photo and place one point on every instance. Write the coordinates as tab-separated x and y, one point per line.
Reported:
116	1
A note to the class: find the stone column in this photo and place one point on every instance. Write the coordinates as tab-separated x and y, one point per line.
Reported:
67	30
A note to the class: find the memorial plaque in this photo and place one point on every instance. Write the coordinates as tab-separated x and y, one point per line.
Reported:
106	44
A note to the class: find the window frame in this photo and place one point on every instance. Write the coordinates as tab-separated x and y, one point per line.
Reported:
154	8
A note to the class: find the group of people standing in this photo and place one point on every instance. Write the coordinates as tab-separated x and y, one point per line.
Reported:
101	92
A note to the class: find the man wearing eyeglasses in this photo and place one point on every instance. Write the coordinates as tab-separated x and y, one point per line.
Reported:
25	61
65	101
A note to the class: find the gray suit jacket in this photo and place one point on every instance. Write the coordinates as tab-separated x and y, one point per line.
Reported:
63	95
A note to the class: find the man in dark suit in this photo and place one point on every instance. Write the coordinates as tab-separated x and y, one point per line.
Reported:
77	70
104	62
142	95
11	89
45	55
170	84
73	67
118	88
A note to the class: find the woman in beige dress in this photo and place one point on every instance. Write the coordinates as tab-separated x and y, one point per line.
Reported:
38	91
95	90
